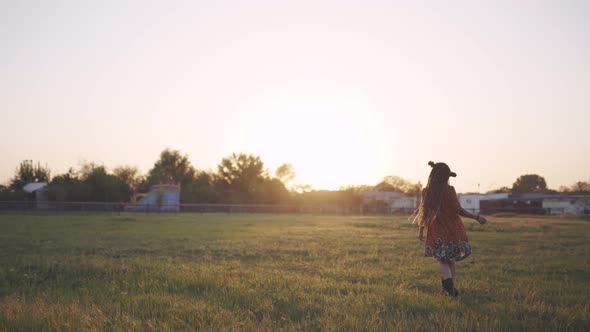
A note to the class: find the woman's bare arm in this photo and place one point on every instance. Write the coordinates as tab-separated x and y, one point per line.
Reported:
477	217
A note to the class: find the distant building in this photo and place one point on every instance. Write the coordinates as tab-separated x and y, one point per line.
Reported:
390	200
527	203
37	193
472	202
567	204
35	187
515	203
160	197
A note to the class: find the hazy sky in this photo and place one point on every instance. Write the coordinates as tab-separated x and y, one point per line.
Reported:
346	91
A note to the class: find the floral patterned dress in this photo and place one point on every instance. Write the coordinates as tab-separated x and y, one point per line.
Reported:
446	239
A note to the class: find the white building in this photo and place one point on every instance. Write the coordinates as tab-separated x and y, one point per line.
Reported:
34	187
470	202
396	201
38	192
578	204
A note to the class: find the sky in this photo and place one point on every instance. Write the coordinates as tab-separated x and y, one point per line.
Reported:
346	91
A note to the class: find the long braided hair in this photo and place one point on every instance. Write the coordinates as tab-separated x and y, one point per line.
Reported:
433	194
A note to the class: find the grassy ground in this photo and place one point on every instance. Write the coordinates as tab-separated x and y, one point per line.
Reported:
285	272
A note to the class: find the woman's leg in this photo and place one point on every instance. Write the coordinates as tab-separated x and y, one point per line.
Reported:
445	270
452	265
447	278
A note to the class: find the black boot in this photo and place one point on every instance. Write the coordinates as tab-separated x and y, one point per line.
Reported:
449	287
456	291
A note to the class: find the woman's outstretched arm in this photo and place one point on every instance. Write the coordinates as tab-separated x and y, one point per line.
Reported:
477	217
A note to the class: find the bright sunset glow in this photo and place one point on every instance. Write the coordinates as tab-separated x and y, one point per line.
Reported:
328	137
347	92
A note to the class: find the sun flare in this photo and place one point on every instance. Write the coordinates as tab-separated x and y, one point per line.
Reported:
330	141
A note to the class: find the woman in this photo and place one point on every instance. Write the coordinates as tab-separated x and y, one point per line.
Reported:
439	213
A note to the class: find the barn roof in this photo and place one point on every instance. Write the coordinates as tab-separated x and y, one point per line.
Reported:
34	186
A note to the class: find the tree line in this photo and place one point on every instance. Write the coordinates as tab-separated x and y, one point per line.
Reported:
534	183
238	179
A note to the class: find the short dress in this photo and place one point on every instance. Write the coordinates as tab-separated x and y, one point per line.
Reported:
446	239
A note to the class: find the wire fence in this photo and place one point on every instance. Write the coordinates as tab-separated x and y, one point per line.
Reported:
113	207
110	207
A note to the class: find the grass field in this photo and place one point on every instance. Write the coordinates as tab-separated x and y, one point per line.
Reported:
286	272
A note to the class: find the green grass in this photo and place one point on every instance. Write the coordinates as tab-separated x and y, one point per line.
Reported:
286	272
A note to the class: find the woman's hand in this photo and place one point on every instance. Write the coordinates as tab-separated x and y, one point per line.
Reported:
481	219
421	234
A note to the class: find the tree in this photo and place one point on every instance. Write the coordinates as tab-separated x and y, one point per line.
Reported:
204	190
529	183
127	174
105	187
285	173
272	191
91	183
11	195
579	187
239	177
86	168
351	198
499	190
28	172
68	187
396	183
172	166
